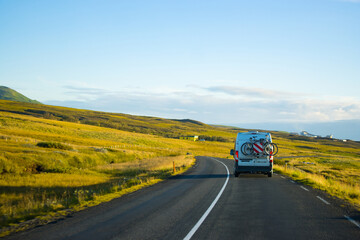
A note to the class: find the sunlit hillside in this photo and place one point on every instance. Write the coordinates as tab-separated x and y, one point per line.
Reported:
141	124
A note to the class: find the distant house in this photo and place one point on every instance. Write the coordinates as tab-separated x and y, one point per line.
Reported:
191	138
330	136
306	134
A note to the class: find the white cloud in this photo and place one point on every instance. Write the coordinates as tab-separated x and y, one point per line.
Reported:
85	93
252	92
216	104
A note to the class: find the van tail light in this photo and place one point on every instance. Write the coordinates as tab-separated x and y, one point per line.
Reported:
237	155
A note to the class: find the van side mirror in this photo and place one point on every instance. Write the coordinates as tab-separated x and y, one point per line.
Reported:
232	152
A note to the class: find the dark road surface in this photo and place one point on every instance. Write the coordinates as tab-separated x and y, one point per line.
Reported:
250	207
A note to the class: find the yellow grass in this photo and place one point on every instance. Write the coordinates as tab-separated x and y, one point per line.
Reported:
40	194
151	164
52	180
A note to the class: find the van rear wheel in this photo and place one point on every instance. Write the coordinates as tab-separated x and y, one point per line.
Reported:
236	174
270	174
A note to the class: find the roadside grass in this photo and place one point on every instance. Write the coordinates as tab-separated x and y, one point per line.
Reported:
349	191
26	196
328	165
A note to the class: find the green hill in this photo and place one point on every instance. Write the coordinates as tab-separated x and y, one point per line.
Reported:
169	128
12	95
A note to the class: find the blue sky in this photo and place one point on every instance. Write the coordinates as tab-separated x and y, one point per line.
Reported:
214	61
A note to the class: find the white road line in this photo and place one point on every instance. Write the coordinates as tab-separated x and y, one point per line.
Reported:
323	200
292	181
304	188
352	220
282	177
202	219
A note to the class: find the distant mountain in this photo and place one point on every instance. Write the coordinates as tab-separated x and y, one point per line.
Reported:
12	95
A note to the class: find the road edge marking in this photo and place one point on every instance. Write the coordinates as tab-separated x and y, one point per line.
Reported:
352	220
202	219
323	200
304	188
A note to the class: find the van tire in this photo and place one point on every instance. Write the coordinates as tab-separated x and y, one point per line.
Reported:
236	174
270	174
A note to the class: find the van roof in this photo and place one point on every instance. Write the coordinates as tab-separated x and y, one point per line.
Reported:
244	136
254	133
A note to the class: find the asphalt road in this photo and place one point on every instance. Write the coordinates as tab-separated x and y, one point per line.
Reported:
248	207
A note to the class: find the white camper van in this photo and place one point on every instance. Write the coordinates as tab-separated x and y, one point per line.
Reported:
253	153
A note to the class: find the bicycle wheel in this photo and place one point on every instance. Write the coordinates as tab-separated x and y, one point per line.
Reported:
247	149
275	149
268	149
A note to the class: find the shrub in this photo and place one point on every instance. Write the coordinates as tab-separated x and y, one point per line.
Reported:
54	145
8	166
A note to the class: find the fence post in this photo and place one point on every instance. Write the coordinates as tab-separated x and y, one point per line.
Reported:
286	162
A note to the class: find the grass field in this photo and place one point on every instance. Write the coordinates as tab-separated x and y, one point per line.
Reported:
52	161
49	166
